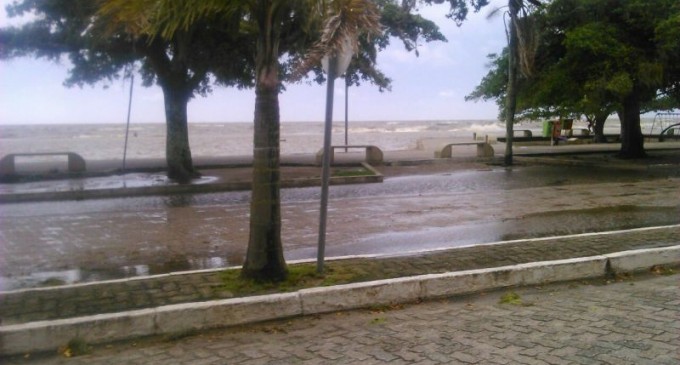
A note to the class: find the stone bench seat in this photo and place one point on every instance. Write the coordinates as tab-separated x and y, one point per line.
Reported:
570	132
525	132
8	166
374	155
484	149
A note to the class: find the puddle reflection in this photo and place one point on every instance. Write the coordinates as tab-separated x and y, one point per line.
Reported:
84	275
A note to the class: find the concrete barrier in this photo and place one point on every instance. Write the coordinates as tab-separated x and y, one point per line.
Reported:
50	335
638	260
360	295
466	282
179	318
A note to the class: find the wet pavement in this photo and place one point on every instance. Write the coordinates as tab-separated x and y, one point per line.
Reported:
423	219
416	208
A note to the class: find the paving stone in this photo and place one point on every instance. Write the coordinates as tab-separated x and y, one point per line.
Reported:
434	332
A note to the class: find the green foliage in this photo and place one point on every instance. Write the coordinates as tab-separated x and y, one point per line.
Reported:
212	40
511	298
350	172
590	56
378	321
494	84
101	48
299	277
76	347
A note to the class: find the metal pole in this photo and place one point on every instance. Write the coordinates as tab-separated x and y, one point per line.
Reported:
325	174
346	110
127	128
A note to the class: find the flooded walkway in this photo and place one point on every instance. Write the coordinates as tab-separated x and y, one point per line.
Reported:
416	208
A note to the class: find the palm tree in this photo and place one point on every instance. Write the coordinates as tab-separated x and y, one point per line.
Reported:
521	48
264	259
266	21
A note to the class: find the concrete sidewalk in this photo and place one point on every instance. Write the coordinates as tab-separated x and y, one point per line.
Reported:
629	321
38	319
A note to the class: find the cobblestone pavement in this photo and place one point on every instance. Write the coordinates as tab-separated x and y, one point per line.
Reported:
104	297
634	321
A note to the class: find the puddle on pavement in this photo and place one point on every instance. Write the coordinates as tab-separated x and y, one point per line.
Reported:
81	275
554	223
576	221
132	180
537	225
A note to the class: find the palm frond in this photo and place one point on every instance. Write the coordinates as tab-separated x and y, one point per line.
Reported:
345	22
163	18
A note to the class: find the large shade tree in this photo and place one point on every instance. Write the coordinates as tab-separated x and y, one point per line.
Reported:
619	47
101	49
551	93
588	62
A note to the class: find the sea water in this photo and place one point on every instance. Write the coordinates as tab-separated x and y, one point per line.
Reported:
107	141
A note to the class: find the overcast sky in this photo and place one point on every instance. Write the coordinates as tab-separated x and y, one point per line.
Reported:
429	87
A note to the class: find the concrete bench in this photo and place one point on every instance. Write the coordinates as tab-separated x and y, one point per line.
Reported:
374	155
484	149
582	132
75	162
525	132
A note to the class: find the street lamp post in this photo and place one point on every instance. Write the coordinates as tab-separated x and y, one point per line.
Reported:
346	110
335	64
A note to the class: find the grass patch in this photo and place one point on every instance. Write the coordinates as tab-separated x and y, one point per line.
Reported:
300	276
511	298
53	282
378	320
351	172
76	347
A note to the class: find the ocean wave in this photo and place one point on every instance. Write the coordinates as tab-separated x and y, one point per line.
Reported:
96	142
485	127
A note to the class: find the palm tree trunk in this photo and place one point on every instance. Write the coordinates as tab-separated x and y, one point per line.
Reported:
511	93
264	258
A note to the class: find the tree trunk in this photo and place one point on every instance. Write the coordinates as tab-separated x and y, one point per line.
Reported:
172	77
598	128
632	141
264	258
177	151
511	92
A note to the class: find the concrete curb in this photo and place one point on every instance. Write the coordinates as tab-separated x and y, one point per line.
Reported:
182	318
376	177
638	260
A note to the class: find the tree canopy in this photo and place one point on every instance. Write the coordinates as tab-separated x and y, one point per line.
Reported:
593	57
102	49
211	49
